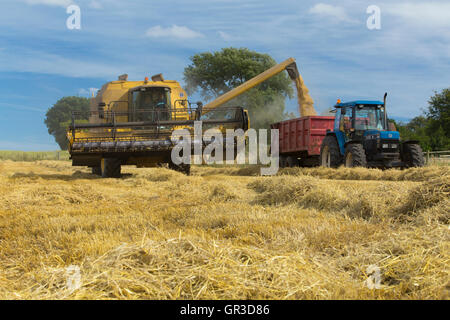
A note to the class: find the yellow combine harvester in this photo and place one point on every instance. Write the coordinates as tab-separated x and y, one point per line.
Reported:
131	122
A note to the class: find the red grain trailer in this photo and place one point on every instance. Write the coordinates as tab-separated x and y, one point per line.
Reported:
301	138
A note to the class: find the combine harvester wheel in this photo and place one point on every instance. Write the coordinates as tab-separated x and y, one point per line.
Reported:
110	167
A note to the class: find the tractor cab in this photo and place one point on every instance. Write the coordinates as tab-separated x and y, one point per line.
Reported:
365	123
356	118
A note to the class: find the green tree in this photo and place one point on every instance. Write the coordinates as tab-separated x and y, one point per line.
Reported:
416	130
59	117
438	114
432	129
213	74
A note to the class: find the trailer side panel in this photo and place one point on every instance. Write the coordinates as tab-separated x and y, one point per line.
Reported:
303	135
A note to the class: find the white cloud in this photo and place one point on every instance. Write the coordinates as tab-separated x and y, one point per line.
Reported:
173	32
431	14
83	92
225	36
330	11
60	3
95	5
91	92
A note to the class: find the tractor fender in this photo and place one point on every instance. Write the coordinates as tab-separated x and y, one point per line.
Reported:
332	134
407	142
410	142
352	142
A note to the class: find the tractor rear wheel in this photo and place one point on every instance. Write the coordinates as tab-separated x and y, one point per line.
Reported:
110	167
413	155
355	156
330	155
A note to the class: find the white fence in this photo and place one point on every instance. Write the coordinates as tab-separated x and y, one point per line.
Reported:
437	157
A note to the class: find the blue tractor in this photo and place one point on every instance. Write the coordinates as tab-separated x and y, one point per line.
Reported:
363	137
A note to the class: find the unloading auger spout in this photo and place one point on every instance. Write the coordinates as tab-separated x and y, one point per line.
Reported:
305	102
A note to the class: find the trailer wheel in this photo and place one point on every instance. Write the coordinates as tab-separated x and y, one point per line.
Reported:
413	155
292	162
330	155
355	156
110	167
182	167
97	171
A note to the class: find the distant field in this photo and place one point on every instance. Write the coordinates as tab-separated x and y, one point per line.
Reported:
33	156
64	155
223	233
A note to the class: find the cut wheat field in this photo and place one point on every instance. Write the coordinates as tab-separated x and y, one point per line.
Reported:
223	233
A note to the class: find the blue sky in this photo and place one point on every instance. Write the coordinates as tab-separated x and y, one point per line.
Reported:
41	60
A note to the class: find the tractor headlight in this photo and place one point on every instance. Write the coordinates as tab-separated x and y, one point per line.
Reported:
373	136
389	146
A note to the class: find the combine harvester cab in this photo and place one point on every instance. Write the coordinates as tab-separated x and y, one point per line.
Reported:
131	123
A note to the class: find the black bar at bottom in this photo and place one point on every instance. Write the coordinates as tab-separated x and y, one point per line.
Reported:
235	309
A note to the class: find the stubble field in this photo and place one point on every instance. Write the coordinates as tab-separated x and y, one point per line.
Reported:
223	233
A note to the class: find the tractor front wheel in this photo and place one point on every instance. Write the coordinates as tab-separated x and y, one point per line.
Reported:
413	155
355	156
